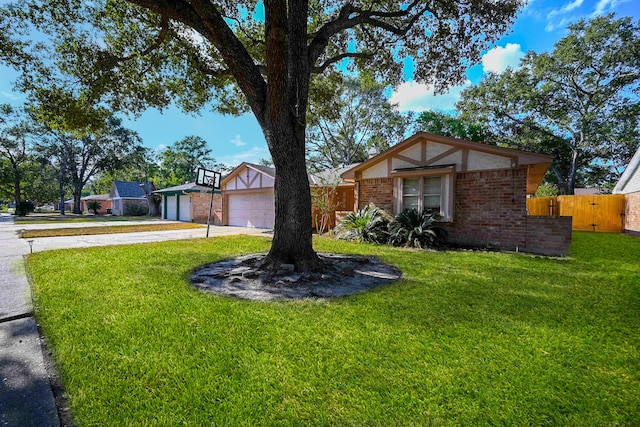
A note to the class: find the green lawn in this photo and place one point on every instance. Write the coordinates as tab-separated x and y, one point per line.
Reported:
468	338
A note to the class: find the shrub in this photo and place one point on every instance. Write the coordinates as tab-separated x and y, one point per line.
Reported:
136	210
369	224
24	207
94	205
416	229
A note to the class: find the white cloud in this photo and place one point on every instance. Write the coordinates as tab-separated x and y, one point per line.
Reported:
604	6
161	147
251	156
237	141
418	97
552	25
566	8
500	58
11	96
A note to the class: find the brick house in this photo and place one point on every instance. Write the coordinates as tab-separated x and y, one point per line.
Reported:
629	185
480	191
103	199
190	203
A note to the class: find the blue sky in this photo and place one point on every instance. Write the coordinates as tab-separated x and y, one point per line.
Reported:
237	139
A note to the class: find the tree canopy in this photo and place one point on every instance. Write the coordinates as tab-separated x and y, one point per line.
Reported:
357	117
453	126
79	159
227	54
578	102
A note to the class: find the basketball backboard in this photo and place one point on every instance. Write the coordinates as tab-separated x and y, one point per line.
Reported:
208	178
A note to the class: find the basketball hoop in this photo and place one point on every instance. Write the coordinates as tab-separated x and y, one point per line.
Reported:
208	178
212	180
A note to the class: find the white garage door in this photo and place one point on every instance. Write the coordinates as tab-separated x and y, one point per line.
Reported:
171	208
185	209
251	210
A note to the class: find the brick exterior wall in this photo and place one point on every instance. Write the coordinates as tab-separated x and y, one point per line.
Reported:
490	210
632	214
200	208
376	191
549	235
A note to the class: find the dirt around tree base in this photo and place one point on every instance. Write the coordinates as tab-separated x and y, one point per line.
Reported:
242	278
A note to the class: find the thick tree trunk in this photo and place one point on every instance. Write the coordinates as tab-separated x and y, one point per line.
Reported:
17	191
283	120
77	195
152	200
292	234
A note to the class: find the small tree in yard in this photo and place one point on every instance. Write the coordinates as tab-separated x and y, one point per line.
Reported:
94	206
249	56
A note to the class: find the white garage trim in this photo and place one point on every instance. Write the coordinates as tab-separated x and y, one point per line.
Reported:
251	209
171	208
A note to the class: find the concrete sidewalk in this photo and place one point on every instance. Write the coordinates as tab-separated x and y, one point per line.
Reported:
26	398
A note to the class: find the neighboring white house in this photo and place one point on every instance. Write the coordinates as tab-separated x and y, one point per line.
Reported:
127	197
629	185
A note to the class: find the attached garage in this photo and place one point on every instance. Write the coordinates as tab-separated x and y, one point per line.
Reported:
247	196
190	203
251	209
170	208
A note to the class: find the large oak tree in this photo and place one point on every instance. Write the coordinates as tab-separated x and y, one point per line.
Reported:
244	54
579	102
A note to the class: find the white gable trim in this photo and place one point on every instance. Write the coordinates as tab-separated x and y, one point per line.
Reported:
630	180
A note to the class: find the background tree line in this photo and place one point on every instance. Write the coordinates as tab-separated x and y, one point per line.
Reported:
41	163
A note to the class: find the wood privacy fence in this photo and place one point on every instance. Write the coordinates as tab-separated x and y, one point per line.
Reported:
602	212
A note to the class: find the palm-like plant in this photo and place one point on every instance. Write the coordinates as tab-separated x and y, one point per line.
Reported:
369	224
94	205
416	229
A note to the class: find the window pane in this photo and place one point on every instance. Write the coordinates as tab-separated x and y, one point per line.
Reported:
411	187
432	185
432	202
409	202
432	190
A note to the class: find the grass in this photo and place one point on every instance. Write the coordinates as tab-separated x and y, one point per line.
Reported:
81	231
69	217
467	338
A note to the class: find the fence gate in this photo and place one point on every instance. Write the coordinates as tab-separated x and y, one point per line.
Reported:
602	212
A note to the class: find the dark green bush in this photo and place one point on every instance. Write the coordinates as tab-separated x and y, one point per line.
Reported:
24	207
136	210
369	224
416	229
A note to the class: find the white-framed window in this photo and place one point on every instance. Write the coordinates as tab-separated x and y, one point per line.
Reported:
426	192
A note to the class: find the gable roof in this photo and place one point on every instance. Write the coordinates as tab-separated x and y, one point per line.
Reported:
330	177
630	180
129	190
97	197
538	164
266	170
